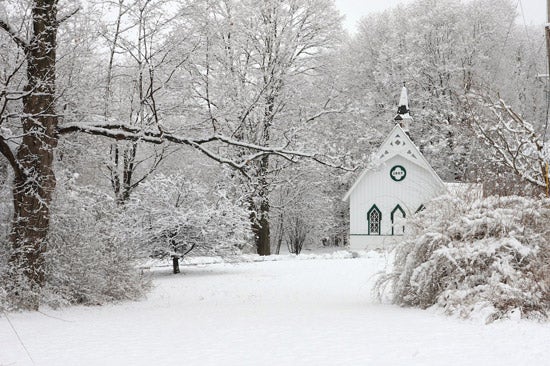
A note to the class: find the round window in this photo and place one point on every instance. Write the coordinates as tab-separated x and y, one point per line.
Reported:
398	173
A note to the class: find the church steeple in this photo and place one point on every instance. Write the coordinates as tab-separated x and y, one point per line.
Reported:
403	117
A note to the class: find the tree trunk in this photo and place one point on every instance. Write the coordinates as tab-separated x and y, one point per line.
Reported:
122	170
260	228
34	181
280	234
260	210
175	264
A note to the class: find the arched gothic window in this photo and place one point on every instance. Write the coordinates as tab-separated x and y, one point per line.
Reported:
397	214
374	217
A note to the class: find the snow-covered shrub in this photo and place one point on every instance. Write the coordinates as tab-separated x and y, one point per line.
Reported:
490	256
87	260
170	214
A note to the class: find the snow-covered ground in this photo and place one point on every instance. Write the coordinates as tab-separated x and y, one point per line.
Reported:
318	311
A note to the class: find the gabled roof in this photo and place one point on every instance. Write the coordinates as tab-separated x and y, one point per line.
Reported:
398	143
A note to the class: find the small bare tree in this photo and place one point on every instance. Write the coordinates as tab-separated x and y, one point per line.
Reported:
296	234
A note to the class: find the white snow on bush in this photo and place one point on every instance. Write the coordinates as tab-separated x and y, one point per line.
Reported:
489	256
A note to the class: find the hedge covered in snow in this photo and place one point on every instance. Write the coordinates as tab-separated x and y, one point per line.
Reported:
87	262
488	257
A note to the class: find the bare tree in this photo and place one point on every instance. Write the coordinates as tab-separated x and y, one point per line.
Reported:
137	38
296	235
514	141
255	57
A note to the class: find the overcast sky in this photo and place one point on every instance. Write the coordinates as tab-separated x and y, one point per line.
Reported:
534	10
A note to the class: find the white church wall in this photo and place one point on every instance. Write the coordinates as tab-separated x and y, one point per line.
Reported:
373	242
378	188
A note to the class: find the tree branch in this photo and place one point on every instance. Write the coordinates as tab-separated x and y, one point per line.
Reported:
18	40
8	153
67	16
513	139
130	133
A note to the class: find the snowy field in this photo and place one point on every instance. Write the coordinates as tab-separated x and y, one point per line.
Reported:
318	311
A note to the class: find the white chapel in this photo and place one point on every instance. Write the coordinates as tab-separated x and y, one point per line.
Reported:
396	186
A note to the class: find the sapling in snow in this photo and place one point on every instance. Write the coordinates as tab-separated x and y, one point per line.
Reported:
170	215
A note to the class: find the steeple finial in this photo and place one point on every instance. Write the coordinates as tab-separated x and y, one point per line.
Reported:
403	117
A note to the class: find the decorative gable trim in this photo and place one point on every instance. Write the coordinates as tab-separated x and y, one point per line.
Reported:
398	143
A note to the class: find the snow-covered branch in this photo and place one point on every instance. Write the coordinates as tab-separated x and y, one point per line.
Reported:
13	34
132	133
324	113
513	139
67	16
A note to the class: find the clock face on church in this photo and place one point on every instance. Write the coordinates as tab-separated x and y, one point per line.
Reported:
398	173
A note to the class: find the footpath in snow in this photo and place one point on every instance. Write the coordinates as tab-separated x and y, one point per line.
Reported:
318	311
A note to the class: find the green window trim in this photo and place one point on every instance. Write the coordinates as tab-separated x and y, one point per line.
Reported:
400	209
373	214
399	178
